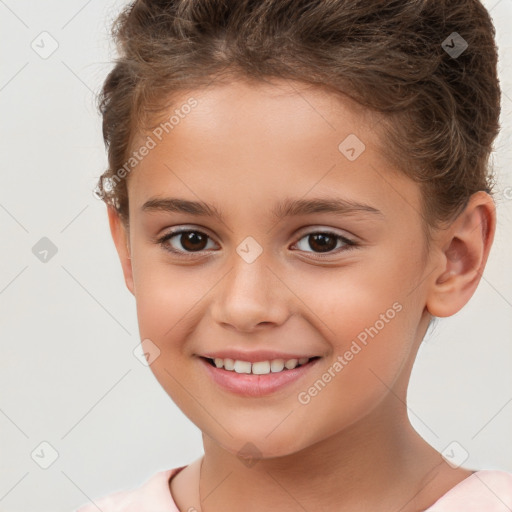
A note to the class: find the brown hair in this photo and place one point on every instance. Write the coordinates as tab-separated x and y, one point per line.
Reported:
439	110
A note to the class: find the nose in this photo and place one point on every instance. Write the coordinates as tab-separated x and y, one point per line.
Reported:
251	296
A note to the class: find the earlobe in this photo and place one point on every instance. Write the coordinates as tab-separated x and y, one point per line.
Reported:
463	249
121	240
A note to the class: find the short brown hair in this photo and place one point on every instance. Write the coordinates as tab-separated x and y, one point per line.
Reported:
440	111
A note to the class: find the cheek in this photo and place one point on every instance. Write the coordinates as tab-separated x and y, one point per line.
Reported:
368	319
167	298
346	302
170	302
367	361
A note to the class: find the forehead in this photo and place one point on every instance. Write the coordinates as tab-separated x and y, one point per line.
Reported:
265	140
273	111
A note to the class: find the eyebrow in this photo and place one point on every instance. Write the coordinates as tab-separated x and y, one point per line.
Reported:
285	208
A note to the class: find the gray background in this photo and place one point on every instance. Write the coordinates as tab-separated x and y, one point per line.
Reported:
68	375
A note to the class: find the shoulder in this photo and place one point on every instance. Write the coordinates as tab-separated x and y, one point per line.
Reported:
152	496
489	490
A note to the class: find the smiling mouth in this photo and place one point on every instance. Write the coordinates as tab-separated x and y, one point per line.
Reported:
259	367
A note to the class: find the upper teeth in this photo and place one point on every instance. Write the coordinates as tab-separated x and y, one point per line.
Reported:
260	367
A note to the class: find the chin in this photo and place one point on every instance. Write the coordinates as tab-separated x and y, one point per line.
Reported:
251	446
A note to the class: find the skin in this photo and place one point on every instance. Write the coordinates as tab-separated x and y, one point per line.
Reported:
243	148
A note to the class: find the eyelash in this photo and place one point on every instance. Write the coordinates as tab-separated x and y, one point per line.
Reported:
349	244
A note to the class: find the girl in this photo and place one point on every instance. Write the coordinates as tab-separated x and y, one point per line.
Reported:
296	189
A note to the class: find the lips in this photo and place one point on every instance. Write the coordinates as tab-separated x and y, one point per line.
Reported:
248	374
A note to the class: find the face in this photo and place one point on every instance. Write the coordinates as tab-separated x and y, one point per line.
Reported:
272	279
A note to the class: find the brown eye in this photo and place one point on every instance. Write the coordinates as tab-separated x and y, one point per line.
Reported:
184	241
324	242
193	240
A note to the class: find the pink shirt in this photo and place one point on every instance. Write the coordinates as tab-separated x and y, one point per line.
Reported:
483	491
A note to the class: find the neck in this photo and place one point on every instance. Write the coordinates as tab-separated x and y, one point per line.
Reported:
378	463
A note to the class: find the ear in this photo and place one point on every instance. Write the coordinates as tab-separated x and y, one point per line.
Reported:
463	249
121	238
